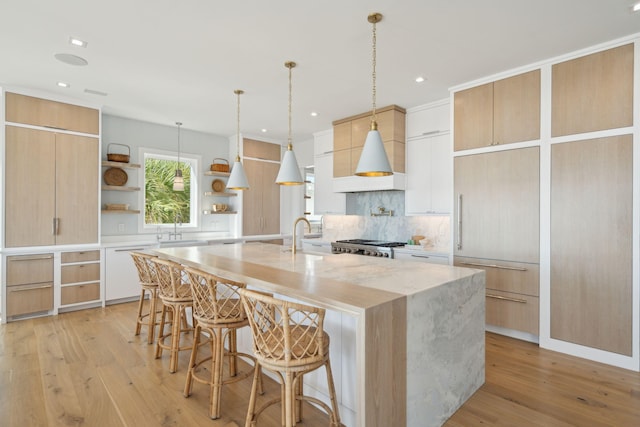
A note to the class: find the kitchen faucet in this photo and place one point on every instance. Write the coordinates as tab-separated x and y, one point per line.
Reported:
177	220
295	223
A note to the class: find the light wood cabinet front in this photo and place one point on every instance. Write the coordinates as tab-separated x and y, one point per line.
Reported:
80	293
51	114
594	92
591	243
261	204
498	198
51	188
501	112
75	273
513	311
29	284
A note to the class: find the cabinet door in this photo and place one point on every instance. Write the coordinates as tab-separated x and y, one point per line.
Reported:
473	117
591	243
76	189
30	187
594	92
498	199
429	175
270	198
428	121
121	275
326	200
516	108
252	199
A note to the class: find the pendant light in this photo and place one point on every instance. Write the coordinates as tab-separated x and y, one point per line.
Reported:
238	179
373	160
289	173
178	181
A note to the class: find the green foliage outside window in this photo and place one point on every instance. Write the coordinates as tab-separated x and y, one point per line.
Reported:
161	202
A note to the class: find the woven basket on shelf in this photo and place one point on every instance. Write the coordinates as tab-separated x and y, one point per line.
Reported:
220	165
117	157
115	176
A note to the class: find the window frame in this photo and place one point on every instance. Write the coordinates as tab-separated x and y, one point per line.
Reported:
195	161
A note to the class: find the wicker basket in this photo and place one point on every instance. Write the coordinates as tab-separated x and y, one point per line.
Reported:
116	157
220	165
115	176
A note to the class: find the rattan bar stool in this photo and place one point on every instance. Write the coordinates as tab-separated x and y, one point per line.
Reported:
289	340
148	285
175	293
219	313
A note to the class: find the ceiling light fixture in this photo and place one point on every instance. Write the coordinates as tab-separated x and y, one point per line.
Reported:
314	114
63	84
77	42
636	7
264	131
289	173
238	179
178	180
70	59
373	160
419	79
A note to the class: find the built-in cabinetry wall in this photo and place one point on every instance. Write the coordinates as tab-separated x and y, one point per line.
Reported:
560	197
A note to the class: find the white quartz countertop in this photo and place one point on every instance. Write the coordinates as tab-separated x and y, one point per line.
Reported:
346	282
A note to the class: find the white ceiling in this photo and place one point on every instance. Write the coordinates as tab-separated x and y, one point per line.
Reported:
165	60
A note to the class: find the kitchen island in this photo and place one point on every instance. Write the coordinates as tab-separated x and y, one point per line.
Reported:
418	328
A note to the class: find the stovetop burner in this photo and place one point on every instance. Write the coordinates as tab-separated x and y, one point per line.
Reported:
380	243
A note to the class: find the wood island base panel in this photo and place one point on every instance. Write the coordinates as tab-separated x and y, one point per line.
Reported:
408	338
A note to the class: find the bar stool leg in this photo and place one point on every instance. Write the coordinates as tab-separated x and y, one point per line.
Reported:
140	305
192	361
175	338
153	306
298	392
216	375
233	349
249	422
161	335
335	416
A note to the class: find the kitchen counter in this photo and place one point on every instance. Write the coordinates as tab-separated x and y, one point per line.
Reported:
419	333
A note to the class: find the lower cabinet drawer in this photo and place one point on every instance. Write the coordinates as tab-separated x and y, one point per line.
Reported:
80	273
80	293
513	311
80	256
32	298
507	276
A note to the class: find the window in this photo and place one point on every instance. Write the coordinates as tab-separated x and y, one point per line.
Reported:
162	205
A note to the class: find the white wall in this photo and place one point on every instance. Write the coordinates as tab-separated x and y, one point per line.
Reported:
138	134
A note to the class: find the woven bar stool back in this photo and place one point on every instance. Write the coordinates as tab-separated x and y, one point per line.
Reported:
218	311
148	284
175	294
289	340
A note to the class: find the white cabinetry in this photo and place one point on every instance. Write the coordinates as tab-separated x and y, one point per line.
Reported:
429	119
417	255
121	275
326	201
429	175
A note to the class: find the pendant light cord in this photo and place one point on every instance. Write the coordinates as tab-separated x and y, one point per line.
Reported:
238	92
373	74
178	165
290	145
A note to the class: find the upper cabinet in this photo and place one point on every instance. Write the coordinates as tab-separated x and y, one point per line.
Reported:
500	112
593	92
51	114
350	133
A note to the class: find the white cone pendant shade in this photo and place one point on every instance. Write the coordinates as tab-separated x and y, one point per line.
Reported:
237	179
373	160
289	173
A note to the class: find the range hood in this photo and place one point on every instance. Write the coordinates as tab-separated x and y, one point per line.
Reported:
353	184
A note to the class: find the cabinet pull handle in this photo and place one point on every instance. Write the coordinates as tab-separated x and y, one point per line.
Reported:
420	256
521	301
459	235
431	132
130	249
31	258
501	267
56	226
28	289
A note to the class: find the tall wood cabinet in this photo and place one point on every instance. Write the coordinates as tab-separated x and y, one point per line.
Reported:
591	243
497	229
261	203
500	112
51	174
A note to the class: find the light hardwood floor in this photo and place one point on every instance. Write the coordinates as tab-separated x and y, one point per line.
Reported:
86	368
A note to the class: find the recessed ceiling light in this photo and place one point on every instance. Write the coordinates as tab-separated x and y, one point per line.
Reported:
67	58
314	114
264	130
419	79
77	42
63	84
635	7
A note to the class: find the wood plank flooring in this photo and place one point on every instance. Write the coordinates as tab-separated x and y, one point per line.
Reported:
86	368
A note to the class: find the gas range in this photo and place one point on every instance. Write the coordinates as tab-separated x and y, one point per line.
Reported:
376	248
